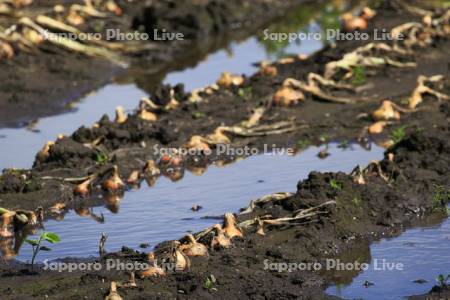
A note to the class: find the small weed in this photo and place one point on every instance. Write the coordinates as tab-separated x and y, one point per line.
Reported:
101	158
303	144
442	280
345	144
245	92
335	185
398	134
198	115
359	75
440	198
356	201
50	237
210	283
420	130
324	138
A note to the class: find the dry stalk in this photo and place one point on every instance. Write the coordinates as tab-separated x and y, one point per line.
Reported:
267	198
263	130
73	45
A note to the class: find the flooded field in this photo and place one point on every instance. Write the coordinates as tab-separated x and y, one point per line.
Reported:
143	215
19	146
421	254
382	105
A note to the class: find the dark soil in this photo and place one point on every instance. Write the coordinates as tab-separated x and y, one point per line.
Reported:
392	199
436	293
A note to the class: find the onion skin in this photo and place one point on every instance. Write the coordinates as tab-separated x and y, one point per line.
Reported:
120	115
83	188
114	183
182	262
6	220
220	240
287	96
194	248
230	228
386	112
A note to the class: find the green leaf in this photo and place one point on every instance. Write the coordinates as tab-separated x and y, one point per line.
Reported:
31	242
44	248
335	184
51	237
198	115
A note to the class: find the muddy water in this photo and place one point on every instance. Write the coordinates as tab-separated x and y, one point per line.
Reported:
152	215
18	146
401	266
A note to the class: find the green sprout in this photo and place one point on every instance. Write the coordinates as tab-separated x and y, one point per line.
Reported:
440	198
398	134
198	115
359	75
101	158
335	185
442	280
345	144
245	92
210	283
303	144
356	201
324	138
50	237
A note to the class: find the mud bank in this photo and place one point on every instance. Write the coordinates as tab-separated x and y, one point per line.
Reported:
331	212
437	292
24	91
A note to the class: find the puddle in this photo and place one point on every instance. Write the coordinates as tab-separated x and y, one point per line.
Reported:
152	215
18	146
238	58
423	253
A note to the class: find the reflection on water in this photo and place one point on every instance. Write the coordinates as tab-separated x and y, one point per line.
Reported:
238	58
18	146
237	52
309	19
423	253
152	215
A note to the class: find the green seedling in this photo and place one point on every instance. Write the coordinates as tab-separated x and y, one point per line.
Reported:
101	158
303	144
420	130
50	237
442	280
335	185
440	198
324	138
345	144
198	115
356	201
245	92
210	283
398	134
359	75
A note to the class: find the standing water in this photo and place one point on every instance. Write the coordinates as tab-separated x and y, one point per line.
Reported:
18	146
401	266
144	215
